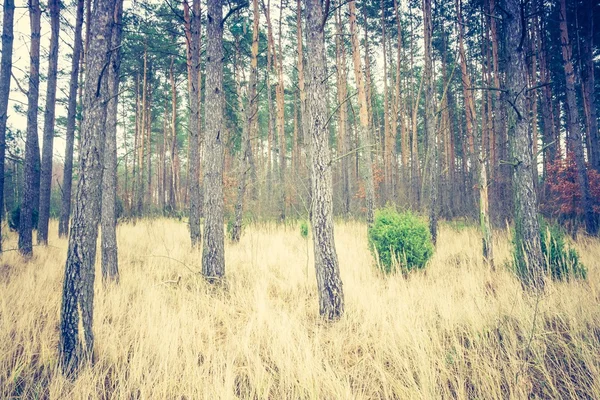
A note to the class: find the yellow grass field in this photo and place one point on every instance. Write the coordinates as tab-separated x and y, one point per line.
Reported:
454	331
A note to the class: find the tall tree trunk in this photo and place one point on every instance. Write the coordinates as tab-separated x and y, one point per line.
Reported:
248	113
589	94
32	148
141	136
574	129
430	121
48	148
468	100
173	150
65	210
108	221
342	95
365	142
213	257
331	295
193	49
399	112
389	139
528	249
78	288
5	74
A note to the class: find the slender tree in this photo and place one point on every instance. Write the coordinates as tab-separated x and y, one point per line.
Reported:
108	219
573	124
32	148
48	147
78	288
331	295
5	74
365	142
193	49
65	209
213	257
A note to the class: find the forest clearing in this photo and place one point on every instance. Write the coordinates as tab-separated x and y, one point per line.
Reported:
456	330
299	199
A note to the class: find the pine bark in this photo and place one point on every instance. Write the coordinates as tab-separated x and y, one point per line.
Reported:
49	117
573	125
331	295
589	85
527	238
78	288
32	149
65	209
108	219
5	74
213	257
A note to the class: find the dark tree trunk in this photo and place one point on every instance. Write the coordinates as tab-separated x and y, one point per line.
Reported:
32	148
527	237
213	251
575	137
47	151
65	210
78	288
110	262
5	74
331	295
589	95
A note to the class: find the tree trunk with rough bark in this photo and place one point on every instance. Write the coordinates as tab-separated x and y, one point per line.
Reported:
589	85
5	74
528	251
32	148
573	127
65	209
331	295
213	252
49	117
78	288
108	221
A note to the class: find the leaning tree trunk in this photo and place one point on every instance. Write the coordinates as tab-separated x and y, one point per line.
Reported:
430	121
331	295
213	252
32	148
574	129
78	287
5	73
527	237
65	210
108	219
47	150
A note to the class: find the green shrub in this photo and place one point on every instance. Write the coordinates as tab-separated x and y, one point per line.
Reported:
402	241
561	262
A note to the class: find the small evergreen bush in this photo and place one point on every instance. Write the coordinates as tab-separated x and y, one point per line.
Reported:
561	262
402	241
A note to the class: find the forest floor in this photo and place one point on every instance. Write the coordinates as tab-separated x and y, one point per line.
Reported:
455	330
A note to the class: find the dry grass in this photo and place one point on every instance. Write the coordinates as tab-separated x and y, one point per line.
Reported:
454	331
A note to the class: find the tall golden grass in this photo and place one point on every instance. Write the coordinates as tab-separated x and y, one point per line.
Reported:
455	330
